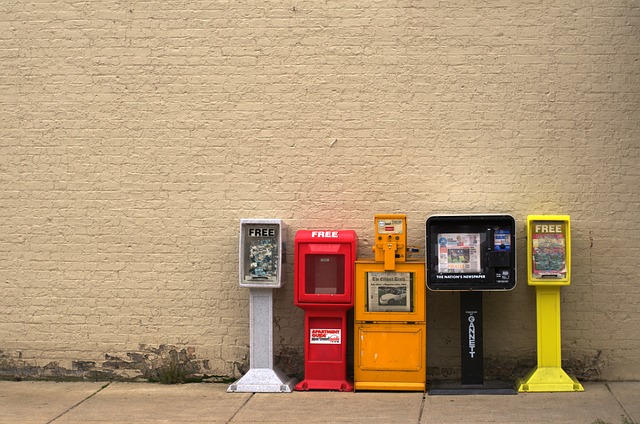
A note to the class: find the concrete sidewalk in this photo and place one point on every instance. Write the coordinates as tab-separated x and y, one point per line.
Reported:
50	402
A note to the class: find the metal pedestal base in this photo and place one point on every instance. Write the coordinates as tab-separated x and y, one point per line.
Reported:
471	354
548	379
488	388
548	375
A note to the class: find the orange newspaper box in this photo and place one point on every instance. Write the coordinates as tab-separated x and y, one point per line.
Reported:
323	274
390	313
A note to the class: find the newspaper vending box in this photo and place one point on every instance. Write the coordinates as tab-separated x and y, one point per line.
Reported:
390	313
262	253
548	269
323	276
471	254
548	250
262	243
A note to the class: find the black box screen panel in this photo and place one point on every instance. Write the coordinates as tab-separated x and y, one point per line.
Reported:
471	252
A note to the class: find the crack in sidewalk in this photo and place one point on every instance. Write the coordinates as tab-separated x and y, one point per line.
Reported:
80	403
240	408
626	414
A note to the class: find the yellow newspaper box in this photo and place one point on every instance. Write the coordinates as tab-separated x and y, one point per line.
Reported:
549	250
548	269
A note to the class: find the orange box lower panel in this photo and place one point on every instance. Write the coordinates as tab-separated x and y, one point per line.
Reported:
390	356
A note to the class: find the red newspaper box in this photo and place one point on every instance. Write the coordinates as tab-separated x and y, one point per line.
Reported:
323	277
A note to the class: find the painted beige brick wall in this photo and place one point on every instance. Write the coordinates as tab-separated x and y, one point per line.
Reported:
135	135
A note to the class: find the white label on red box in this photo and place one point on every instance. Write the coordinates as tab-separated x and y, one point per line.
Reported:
326	336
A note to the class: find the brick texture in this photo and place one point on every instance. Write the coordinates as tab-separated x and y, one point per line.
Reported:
135	135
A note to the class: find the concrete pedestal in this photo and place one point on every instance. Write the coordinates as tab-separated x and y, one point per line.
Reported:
263	376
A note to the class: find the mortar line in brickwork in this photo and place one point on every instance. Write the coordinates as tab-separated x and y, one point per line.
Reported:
79	403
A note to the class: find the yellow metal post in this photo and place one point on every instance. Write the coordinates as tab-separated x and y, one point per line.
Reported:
549	259
548	376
